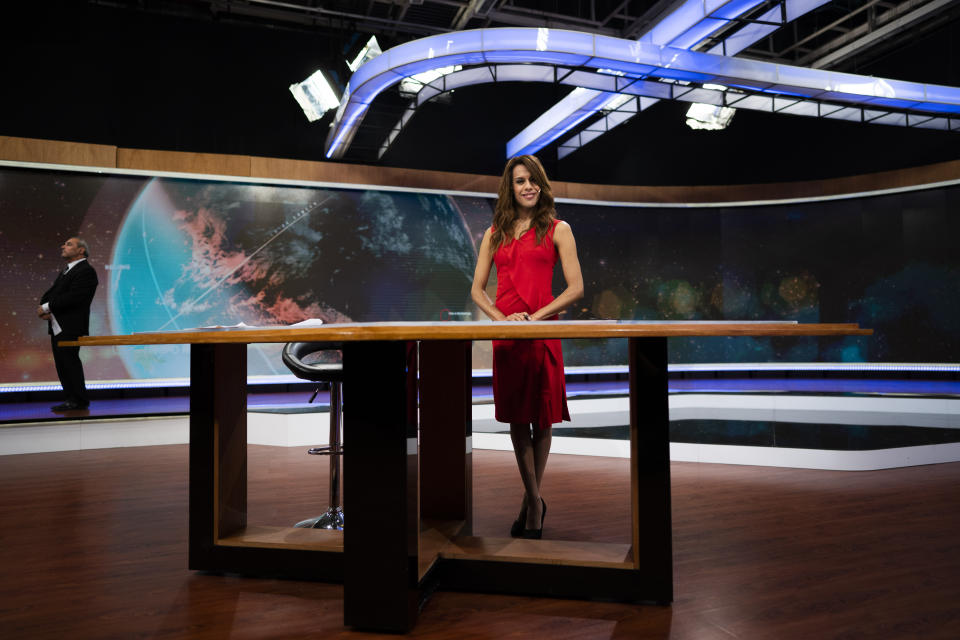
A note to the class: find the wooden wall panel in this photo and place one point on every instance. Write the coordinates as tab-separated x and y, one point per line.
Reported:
746	192
57	152
366	174
182	161
928	174
74	153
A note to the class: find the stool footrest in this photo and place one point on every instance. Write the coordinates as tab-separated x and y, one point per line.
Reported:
331	519
326	451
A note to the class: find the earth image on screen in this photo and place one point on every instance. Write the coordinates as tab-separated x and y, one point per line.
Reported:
196	253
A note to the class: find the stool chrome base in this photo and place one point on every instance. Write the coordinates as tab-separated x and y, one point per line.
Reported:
332	519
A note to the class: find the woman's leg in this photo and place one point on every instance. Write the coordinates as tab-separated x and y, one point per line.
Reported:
531	450
542	439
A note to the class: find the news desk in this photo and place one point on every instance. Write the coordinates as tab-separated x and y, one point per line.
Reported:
408	479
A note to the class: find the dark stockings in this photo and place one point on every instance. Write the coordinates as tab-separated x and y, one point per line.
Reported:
531	446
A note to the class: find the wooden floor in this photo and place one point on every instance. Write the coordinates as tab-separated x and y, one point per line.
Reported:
93	545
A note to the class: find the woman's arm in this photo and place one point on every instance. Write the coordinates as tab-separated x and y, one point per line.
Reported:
480	277
567	248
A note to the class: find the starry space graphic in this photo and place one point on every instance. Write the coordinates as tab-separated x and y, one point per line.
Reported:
178	253
888	262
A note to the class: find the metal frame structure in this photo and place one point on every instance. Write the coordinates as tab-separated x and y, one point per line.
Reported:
701	29
821	34
404	18
687	27
621	66
622	105
723	27
860	28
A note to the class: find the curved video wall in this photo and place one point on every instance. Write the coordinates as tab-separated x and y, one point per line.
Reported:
179	253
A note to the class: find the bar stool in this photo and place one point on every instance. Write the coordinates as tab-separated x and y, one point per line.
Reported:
296	356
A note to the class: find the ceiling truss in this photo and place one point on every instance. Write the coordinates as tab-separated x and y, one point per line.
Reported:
829	37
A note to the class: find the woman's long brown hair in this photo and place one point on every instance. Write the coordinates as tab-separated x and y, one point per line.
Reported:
505	213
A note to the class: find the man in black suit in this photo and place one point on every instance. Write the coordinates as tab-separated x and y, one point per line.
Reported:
66	308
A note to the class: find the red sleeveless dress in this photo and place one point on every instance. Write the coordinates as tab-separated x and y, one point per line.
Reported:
528	383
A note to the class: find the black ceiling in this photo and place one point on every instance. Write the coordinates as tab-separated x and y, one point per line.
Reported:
212	75
405	19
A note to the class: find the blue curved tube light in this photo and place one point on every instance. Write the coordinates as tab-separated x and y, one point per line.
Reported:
622	101
637	60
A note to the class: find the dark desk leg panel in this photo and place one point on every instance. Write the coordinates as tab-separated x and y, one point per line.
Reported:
650	465
650	579
548	580
380	540
218	447
446	488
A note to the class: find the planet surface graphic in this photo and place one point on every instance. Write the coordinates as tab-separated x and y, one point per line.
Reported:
196	254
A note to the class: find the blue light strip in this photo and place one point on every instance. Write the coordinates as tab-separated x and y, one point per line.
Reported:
158	383
603	52
757	367
766	367
732	45
685	28
589	102
745	367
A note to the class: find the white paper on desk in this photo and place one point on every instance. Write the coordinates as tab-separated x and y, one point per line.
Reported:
309	322
221	327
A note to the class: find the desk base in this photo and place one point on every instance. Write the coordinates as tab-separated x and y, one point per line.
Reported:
409	488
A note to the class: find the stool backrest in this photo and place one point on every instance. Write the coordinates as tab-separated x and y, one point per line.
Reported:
294	356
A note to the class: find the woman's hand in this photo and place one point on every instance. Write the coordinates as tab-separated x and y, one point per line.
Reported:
521	316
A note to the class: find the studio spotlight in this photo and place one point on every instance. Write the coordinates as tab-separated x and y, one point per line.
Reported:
315	95
710	117
410	86
370	50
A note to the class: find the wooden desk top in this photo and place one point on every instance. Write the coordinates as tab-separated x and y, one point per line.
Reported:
477	331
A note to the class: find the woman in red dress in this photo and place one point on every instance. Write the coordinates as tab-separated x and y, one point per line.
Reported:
524	243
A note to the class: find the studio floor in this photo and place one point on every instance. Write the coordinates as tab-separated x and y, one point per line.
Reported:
93	544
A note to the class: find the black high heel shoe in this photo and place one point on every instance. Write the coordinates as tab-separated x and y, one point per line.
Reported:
535	534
